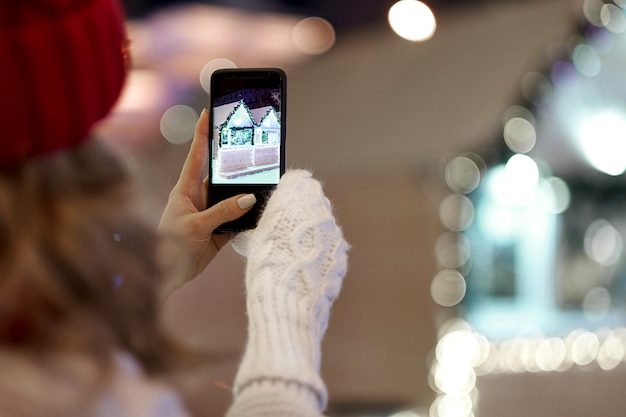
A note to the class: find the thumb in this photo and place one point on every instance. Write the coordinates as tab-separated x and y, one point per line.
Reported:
226	210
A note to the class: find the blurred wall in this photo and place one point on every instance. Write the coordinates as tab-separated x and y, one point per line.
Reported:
365	117
577	392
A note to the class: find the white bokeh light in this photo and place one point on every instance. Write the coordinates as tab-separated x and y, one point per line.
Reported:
462	174
520	135
515	183
602	140
448	288
456	212
178	124
452	250
612	17
412	20
603	243
586	60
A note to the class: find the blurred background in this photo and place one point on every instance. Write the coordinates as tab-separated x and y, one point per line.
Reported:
474	151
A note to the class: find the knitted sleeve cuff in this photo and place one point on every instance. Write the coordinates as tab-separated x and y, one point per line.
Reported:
283	341
274	398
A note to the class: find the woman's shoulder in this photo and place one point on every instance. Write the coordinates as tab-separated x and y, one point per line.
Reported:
131	393
71	385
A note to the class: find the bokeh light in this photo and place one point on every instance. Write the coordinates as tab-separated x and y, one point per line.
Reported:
556	195
452	250
412	20
592	10
178	124
522	173
601	138
210	67
408	413
586	60
603	243
517	111
460	347
314	35
448	288
519	135
462	174
612	17
536	88
462	354
456	212
453	406
601	40
550	354
611	352
515	183
564	75
583	346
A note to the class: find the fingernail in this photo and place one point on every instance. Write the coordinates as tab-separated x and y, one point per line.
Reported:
202	112
246	201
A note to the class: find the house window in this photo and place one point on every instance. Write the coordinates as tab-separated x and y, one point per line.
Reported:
241	137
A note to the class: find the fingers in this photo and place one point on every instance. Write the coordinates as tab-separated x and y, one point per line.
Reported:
226	210
193	168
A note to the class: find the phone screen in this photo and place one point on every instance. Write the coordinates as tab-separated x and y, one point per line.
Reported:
246	137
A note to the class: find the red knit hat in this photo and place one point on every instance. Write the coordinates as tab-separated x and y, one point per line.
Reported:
62	67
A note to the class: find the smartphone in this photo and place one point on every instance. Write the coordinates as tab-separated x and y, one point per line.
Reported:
246	137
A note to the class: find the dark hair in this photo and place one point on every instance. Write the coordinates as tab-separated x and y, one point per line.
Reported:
77	268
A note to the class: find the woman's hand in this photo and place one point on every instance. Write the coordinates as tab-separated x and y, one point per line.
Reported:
187	224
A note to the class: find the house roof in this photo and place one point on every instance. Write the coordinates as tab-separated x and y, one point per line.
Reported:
270	119
236	114
260	112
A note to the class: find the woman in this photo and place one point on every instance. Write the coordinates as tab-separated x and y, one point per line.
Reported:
82	279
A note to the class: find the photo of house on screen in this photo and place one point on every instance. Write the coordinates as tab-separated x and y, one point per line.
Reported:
246	142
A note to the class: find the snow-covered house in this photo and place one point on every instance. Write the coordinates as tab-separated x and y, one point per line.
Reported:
238	127
248	139
268	128
234	134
